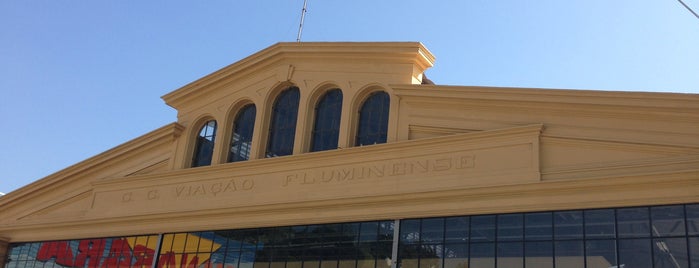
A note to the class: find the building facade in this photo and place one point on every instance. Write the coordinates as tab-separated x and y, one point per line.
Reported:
343	155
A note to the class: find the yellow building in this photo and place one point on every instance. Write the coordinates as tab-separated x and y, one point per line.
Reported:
343	155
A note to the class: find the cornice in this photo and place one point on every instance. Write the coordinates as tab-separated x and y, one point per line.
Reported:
165	134
405	52
679	102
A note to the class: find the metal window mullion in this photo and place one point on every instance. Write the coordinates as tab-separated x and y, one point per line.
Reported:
156	254
394	247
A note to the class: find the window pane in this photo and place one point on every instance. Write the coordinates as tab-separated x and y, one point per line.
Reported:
667	220
568	225
599	223
635	253
570	254
538	254
431	256
633	222
482	255
457	229
373	119
510	254
326	129
693	219
538	226
282	128
670	253
410	231
510	227
694	251
204	145
241	141
456	255
433	230
600	253
482	228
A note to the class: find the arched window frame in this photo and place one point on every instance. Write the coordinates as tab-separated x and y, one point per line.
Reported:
282	123
326	124
370	128
204	144
242	131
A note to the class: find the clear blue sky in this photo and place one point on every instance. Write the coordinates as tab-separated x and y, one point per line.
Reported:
80	77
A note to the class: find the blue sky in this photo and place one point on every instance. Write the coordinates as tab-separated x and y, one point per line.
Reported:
80	77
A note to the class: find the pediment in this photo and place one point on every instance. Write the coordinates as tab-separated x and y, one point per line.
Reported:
308	64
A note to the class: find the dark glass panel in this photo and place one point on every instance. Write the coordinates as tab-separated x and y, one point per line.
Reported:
670	253
409	255
693	219
350	232
410	231
457	229
510	254
282	128
633	222
368	231
635	253
373	119
326	129
241	141
694	251
599	223
433	230
431	255
456	255
538	254
667	220
204	145
482	255
600	253
538	226
568	225
510	227
483	228
386	231
569	254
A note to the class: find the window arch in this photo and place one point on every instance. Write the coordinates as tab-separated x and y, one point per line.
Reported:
204	144
241	137
373	119
326	128
282	128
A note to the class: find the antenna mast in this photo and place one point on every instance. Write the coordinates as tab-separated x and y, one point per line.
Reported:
303	15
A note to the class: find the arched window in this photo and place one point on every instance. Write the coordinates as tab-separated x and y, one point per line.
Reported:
326	128
373	119
282	128
204	146
241	139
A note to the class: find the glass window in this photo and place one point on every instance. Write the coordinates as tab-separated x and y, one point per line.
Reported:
538	226
633	222
599	223
326	129
457	229
204	146
510	254
483	228
241	140
568	225
600	253
634	253
510	227
671	252
282	128
667	220
693	219
373	119
538	254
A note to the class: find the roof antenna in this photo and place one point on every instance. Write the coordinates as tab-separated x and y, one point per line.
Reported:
303	15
